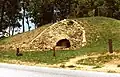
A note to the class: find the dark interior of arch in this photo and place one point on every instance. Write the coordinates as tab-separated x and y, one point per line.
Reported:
63	42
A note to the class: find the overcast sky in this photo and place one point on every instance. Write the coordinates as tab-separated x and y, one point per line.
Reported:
26	26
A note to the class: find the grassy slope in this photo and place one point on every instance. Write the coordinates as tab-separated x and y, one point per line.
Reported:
23	37
102	27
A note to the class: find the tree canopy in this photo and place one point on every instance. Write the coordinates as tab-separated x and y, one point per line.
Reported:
9	14
42	11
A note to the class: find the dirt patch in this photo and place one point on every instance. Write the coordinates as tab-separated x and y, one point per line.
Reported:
113	62
111	66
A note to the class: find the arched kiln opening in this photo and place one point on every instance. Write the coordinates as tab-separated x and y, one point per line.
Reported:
63	43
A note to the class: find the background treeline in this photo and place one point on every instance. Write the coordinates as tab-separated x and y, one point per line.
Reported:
42	12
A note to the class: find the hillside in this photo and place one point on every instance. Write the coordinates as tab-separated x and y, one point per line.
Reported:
97	32
101	29
22	38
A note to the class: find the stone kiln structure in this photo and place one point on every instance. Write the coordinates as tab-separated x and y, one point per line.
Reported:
67	33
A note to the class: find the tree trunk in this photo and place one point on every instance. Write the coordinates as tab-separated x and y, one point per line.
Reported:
96	12
28	24
2	14
23	18
9	28
13	31
9	31
35	26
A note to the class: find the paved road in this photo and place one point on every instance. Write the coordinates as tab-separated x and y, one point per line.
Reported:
11	70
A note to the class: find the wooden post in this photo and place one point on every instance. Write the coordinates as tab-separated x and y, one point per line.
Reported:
54	54
17	51
110	46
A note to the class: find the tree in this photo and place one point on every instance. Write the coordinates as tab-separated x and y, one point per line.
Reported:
64	6
10	12
23	7
41	11
2	14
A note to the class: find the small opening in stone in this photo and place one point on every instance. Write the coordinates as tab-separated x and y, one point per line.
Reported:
63	43
70	23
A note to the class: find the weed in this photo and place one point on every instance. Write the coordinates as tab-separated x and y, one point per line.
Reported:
98	66
71	66
63	66
110	71
118	65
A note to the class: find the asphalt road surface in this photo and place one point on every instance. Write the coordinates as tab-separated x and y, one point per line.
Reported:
12	70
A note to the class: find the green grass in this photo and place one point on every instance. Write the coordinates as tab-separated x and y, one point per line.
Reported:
101	29
39	57
46	56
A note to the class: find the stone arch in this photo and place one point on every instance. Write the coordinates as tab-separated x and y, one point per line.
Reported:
63	42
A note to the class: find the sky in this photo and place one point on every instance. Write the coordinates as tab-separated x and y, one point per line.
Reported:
21	28
26	26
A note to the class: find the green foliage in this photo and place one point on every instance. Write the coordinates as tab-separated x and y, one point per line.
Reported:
10	13
42	11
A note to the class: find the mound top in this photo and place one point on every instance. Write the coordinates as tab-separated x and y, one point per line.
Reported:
67	33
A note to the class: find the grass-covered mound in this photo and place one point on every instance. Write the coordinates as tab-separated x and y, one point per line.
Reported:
97	32
101	29
22	38
25	37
